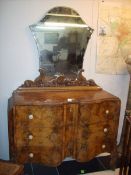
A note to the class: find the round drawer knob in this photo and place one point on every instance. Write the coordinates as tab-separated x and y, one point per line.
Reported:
103	146
30	116
105	129
107	111
69	99
31	155
30	137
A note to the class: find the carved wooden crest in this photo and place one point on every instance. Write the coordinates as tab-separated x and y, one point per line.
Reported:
59	81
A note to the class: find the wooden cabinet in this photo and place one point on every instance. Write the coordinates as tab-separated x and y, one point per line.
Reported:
47	125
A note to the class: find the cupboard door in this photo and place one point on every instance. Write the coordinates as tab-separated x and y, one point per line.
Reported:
39	128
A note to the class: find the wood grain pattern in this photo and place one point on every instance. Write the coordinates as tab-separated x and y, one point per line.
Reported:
91	139
66	122
70	129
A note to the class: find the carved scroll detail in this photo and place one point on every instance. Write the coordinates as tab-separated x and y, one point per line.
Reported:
59	81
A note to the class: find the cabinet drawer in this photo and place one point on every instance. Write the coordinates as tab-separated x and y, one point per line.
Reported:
39	116
94	146
50	155
103	129
98	112
38	136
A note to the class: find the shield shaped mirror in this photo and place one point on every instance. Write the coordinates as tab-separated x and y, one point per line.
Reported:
61	37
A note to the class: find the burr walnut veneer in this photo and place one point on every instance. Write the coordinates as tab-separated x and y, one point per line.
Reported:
48	124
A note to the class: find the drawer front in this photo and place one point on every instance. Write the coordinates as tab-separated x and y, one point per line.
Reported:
104	128
95	139
98	112
39	116
38	136
93	146
48	155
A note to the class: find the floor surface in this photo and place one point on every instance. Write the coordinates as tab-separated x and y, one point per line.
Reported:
97	166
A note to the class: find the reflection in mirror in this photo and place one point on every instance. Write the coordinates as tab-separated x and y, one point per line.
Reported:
61	38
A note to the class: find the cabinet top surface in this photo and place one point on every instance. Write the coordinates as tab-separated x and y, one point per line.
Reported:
39	96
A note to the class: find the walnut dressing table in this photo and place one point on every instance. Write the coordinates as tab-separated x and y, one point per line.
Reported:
48	124
52	118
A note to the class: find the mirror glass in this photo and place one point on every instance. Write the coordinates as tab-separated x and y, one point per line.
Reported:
61	38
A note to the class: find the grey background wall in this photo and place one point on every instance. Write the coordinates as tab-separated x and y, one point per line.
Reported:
19	56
